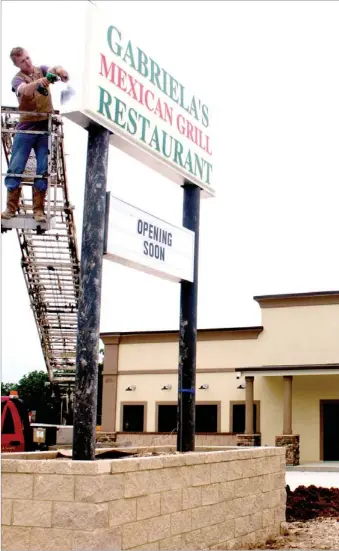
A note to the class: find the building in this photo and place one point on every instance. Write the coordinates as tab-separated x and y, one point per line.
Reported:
277	383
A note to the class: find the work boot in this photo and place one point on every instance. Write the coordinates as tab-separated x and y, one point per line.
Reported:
12	203
38	205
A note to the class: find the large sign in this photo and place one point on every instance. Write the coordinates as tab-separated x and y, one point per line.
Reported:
153	116
137	239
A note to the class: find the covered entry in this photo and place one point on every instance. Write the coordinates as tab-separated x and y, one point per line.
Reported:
329	430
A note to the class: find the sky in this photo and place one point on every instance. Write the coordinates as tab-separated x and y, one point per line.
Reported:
268	72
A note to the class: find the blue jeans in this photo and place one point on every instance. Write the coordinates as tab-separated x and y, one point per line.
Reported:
22	145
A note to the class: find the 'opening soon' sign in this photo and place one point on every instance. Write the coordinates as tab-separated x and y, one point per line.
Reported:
139	240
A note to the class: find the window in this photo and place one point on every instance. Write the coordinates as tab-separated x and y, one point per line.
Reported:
238	418
8	426
167	418
133	418
206	418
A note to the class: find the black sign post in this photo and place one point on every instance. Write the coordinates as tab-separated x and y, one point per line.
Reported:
86	377
188	329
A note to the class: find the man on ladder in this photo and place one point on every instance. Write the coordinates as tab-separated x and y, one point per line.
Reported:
32	89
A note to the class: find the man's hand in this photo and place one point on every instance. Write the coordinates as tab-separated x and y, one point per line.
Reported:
63	75
44	81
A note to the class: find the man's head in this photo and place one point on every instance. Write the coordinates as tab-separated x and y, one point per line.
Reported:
21	59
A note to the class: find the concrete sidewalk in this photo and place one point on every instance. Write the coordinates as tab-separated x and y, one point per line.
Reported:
329	479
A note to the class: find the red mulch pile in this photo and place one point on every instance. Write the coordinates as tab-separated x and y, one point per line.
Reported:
310	502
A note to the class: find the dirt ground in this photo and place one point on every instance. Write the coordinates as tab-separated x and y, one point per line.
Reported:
313	520
311	534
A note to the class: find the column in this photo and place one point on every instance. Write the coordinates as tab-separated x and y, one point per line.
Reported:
249	425
287	426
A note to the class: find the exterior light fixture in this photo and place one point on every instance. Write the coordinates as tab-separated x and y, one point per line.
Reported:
167	387
242	387
132	387
204	387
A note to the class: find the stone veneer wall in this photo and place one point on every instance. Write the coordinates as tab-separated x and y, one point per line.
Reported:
159	439
248	439
291	442
200	500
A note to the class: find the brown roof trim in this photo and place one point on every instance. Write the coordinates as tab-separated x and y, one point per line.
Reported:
287	367
225	333
298	299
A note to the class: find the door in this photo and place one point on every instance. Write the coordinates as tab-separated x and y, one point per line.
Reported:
330	429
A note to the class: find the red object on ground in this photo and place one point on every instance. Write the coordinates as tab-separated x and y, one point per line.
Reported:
310	502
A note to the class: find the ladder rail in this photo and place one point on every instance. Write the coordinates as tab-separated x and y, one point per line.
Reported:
50	264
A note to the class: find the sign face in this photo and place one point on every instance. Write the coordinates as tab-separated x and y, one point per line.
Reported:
142	241
153	117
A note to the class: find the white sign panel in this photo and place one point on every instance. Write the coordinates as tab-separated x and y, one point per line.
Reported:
153	116
142	241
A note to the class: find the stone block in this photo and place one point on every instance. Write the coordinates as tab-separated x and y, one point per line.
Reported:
53	487
201	517
233	508
219	472
226	490
181	522
191	497
39	466
160	480
148	506
17	486
279	515
134	534
210	494
217	513
122	511
174	461
150	463
154	546
234	471
227	530
171	501
15	538
51	539
81	516
125	465
159	528
6	511
139	483
211	535
241	526
201	474
194	458
97	489
97	540
231	545
217	457
9	465
32	513
249	541
170	544
179	477
192	540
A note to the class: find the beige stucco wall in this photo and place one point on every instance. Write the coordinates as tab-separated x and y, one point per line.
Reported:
300	335
295	335
307	392
222	388
291	336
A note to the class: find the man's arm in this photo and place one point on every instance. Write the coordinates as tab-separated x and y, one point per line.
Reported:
60	72
20	87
